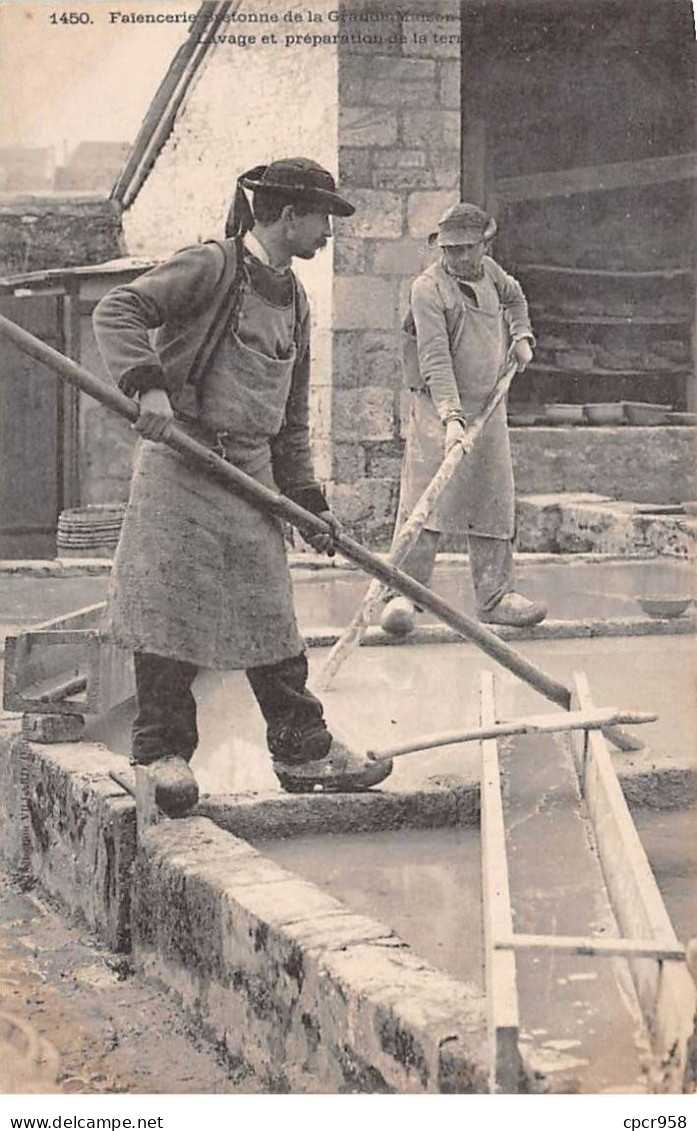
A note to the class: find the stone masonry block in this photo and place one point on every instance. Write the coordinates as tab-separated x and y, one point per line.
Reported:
15	838
424	210
352	76
402	82
450	84
379	215
363	414
404	180
348	462
398	257
52	728
80	833
365	504
446	169
381	358
366	357
349	255
356	167
346	347
367	126
399	158
363	303
402	70
435	128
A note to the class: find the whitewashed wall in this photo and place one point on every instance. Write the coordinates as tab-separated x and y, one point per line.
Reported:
248	105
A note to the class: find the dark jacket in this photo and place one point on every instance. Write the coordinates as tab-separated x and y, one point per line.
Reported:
189	301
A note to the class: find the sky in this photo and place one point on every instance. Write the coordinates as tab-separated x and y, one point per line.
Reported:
61	84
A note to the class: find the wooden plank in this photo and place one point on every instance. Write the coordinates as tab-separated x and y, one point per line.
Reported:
598	178
111	677
89	616
595	946
49	655
666	992
501	984
33	670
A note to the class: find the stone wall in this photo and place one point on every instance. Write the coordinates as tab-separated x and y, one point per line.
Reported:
37	233
399	160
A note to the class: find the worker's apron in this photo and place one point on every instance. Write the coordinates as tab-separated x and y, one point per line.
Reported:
200	574
480	497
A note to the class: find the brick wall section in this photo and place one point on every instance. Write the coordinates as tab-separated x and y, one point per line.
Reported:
399	159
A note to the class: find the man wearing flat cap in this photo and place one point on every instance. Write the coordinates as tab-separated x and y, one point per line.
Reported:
200	576
466	316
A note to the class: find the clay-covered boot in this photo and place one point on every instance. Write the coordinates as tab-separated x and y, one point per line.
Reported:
342	770
398	617
176	791
515	610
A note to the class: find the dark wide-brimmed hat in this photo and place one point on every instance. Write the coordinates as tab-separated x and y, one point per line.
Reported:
302	179
298	178
463	224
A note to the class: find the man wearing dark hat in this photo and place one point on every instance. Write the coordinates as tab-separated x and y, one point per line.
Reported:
200	576
466	316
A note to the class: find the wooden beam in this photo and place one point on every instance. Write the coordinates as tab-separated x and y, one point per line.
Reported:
501	984
595	946
666	992
598	178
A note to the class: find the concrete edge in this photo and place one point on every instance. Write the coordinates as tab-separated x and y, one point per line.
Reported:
311	995
259	817
80	567
322	637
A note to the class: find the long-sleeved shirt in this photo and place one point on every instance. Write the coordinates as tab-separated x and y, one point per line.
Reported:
189	302
441	311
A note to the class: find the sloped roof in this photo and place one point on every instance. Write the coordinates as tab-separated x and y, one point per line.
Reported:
162	112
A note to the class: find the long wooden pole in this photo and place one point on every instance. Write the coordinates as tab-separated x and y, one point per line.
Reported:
597	719
408	533
268	500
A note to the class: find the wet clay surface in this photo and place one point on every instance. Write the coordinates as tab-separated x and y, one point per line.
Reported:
329	597
581	1028
112	1031
425	884
383	696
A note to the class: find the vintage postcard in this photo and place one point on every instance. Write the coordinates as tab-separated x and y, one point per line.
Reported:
348	518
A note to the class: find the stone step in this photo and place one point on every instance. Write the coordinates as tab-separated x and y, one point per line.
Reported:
590	523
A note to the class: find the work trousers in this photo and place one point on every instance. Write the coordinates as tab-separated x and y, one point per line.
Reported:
491	565
165	721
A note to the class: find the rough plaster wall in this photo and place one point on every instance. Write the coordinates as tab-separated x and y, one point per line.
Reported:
247	106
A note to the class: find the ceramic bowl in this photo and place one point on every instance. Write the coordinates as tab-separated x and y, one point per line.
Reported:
564	413
604	413
643	414
664	606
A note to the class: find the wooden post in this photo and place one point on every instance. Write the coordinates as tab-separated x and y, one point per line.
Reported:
666	992
148	812
501	984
